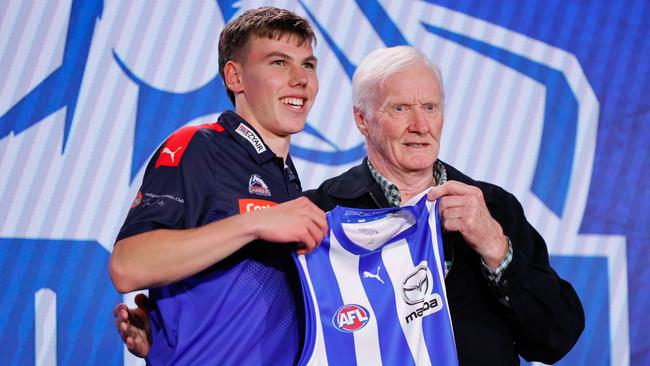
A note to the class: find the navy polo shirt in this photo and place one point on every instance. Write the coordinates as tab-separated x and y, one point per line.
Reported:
242	309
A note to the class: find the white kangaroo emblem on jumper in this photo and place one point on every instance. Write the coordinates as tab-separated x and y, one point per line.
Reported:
171	153
367	274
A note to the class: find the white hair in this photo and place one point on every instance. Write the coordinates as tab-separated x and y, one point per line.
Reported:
380	64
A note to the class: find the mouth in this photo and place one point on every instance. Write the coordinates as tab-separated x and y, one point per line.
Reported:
293	102
415	145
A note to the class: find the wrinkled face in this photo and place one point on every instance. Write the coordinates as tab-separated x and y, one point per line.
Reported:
404	121
276	85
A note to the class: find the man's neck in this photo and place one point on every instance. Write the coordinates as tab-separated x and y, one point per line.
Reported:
279	145
409	183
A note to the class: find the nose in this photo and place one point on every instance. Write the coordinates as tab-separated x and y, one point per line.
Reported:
418	122
297	77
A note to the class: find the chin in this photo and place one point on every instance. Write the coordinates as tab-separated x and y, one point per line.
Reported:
293	128
420	164
297	126
291	124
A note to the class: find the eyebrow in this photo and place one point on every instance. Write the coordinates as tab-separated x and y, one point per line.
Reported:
394	103
311	58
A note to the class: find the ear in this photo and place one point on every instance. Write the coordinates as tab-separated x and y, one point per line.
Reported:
232	75
360	120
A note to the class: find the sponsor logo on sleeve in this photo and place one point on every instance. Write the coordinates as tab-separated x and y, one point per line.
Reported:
170	156
176	145
171	153
350	318
256	185
251	204
252	137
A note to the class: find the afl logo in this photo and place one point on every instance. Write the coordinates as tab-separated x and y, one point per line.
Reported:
350	318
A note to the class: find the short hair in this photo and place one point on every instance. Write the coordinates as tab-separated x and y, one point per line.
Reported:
380	64
265	22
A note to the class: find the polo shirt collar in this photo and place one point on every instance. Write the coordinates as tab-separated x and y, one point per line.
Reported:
242	132
392	193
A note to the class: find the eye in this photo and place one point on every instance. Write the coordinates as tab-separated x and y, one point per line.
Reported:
309	65
400	108
430	107
279	62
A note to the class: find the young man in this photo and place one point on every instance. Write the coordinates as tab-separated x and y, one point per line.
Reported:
203	230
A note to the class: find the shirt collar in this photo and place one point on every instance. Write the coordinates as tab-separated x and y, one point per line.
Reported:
242	132
391	191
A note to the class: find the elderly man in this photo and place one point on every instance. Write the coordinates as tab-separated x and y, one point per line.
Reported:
505	299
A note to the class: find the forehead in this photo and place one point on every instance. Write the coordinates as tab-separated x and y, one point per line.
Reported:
285	43
417	84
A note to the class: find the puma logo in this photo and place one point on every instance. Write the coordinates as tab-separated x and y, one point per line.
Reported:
166	150
367	274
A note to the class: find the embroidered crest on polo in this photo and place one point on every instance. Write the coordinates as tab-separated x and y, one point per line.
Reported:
252	137
256	185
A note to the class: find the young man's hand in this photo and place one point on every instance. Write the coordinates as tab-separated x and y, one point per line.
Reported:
297	221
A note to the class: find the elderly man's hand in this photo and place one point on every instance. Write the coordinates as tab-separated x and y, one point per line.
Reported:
462	208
